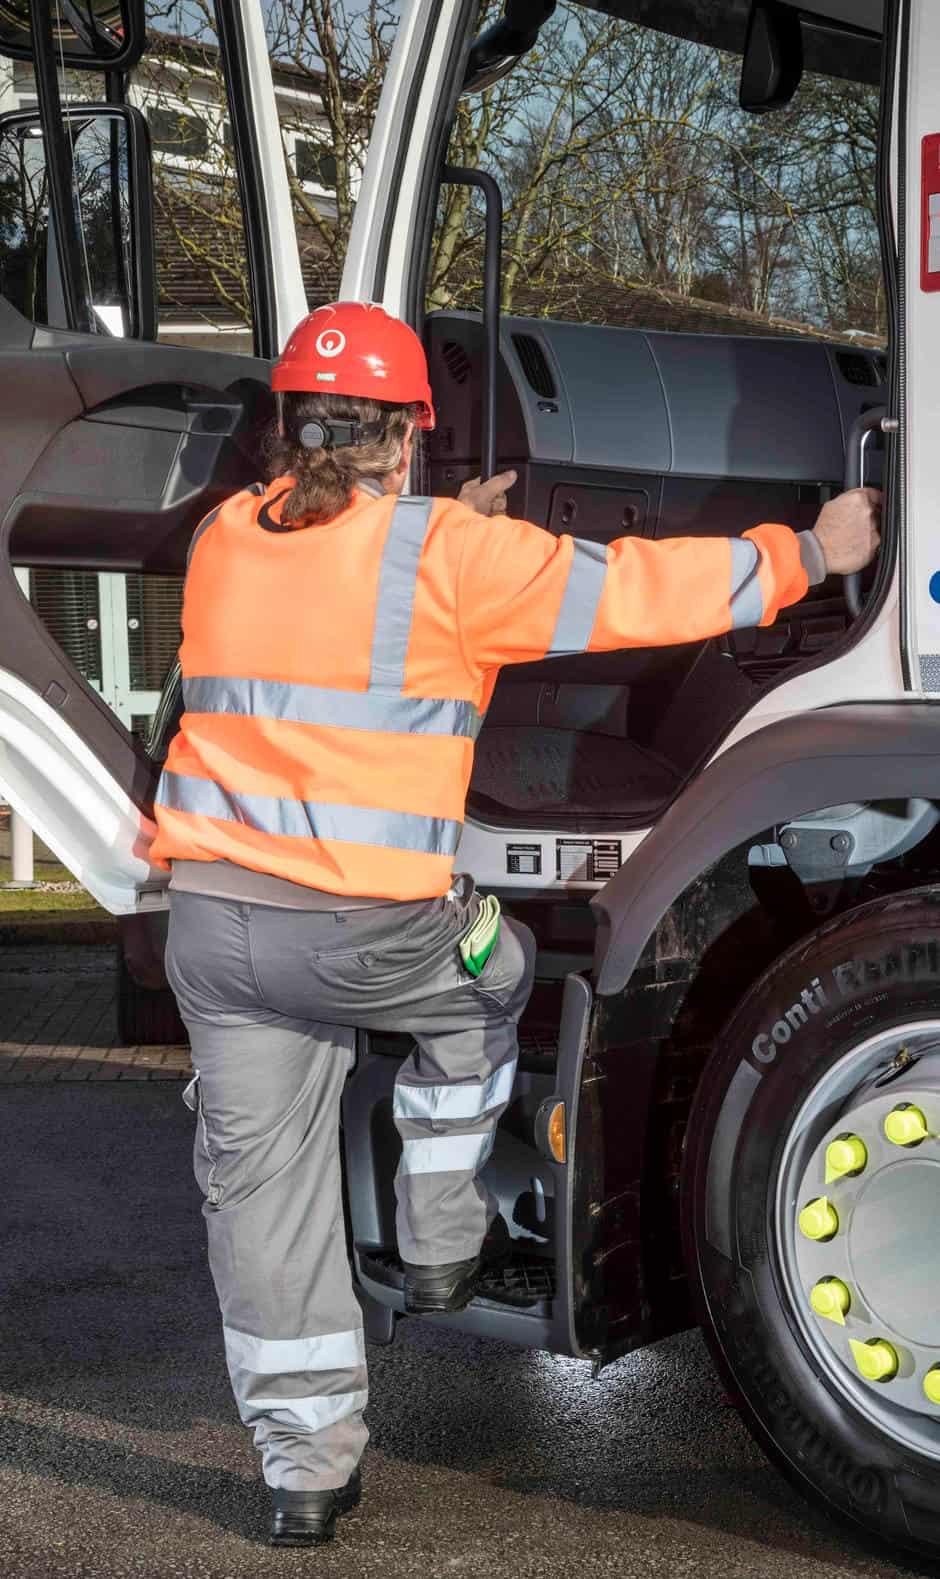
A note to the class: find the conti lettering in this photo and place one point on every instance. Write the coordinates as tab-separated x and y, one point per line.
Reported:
812	1000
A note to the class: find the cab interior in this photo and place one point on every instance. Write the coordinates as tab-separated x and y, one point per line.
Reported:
651	434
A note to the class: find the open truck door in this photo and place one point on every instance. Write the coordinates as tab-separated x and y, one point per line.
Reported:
114	446
684	834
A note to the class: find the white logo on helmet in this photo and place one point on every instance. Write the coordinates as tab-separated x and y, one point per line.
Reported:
331	342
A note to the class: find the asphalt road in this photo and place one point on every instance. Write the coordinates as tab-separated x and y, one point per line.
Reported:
121	1454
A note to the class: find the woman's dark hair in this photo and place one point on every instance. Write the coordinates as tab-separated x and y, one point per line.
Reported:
325	479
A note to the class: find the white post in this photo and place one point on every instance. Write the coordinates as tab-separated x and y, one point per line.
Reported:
21	849
21	834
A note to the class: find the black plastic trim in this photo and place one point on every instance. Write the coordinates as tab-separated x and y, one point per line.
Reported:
444	110
867	751
58	167
258	245
459	175
573	1032
134	47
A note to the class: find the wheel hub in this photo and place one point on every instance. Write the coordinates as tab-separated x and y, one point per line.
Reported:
867	1236
894	1249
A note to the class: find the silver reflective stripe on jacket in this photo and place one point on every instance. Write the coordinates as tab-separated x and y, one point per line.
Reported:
314	704
304	819
381	708
747	599
586	578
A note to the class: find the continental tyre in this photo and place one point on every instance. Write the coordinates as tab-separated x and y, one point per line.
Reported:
812	1216
146	1016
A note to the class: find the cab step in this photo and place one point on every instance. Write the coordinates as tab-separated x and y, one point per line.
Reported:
526	1282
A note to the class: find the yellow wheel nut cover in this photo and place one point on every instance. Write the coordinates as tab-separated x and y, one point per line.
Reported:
905	1126
844	1155
877	1361
830	1298
932	1384
819	1220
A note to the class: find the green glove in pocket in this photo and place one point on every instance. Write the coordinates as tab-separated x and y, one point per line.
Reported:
479	940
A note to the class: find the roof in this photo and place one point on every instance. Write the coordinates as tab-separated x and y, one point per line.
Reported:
202	52
203	273
202	270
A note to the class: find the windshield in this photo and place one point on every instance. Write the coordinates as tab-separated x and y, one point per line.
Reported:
637	191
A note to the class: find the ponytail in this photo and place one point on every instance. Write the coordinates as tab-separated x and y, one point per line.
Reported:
326	479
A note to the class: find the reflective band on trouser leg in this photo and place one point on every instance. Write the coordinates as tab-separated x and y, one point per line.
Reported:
449	1097
586	580
303	1384
746	598
466	1101
446	1153
314	704
297	819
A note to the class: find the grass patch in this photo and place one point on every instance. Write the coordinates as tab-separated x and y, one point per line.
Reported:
20	901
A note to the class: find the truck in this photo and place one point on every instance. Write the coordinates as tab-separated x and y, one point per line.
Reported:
727	1105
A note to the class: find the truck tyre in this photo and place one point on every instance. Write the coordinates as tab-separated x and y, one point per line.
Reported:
811	1196
146	1016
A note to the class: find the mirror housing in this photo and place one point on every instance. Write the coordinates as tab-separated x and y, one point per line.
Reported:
112	193
773	57
97	35
499	46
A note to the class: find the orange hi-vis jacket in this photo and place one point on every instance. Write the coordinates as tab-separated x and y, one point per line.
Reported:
335	676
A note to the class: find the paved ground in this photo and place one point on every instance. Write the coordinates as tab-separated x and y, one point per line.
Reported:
121	1456
57	1020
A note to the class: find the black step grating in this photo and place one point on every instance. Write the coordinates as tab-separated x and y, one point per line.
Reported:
528	1280
535	365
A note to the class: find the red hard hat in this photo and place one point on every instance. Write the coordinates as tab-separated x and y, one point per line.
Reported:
356	348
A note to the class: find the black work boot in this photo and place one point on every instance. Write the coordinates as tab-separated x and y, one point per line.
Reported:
308	1518
430	1289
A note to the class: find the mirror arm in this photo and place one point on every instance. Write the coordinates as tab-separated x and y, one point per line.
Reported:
83	30
58	163
503	43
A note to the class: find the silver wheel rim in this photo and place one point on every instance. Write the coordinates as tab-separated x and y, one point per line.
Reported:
851	1097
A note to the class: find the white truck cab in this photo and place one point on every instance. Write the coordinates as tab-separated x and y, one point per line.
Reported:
728	1098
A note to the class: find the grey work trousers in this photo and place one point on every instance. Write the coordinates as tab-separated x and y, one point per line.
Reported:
270	998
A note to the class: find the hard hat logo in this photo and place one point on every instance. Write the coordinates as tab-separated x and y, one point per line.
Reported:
332	342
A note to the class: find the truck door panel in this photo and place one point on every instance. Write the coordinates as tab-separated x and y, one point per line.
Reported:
152	438
114	451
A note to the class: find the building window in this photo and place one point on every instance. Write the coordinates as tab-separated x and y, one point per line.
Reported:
315	164
173	132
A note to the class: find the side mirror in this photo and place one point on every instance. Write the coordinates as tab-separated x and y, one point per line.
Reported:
100	35
773	57
501	45
112	196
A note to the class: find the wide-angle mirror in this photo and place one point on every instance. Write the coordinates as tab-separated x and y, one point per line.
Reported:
101	35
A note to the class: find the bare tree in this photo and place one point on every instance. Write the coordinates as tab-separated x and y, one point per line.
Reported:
622	155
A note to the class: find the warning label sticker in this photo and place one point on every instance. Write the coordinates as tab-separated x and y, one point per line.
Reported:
587	860
525	859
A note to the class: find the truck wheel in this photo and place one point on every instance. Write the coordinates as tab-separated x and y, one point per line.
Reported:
146	1016
812	1215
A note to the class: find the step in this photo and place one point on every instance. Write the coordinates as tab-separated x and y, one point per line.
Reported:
528	1281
